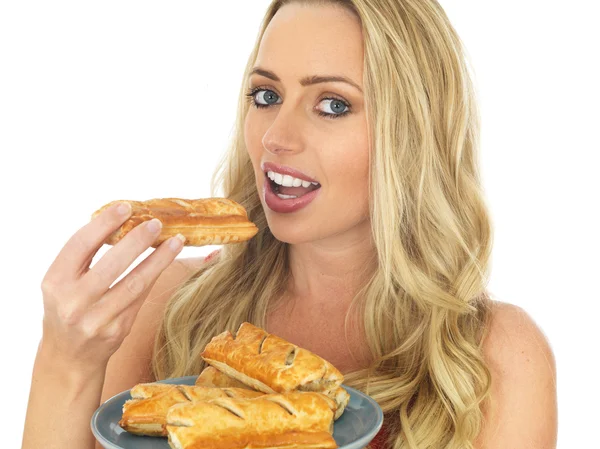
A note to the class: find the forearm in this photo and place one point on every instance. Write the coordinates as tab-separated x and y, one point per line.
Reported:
61	404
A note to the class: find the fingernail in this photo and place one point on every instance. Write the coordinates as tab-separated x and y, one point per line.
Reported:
124	209
154	225
177	242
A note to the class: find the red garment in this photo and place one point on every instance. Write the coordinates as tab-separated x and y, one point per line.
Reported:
379	441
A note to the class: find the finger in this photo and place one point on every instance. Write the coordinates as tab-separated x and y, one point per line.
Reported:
80	249
118	258
133	288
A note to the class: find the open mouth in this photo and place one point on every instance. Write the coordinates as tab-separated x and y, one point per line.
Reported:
288	187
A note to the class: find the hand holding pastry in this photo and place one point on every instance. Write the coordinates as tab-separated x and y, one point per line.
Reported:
85	319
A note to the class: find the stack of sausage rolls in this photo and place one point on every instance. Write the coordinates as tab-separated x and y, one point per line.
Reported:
259	391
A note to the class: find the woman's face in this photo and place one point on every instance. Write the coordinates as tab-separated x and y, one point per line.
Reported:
286	135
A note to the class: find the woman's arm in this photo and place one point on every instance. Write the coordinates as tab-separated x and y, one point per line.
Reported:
523	414
63	398
61	403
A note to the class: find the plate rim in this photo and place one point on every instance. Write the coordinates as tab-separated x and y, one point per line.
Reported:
367	437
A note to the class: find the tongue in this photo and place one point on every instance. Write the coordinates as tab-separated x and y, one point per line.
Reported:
297	191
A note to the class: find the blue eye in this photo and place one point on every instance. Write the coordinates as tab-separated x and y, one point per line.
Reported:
336	105
269	97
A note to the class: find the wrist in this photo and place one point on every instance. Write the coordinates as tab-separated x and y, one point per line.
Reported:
65	371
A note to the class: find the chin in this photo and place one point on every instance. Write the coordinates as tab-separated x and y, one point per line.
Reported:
291	232
295	233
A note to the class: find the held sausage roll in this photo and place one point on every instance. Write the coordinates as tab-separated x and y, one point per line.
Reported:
208	221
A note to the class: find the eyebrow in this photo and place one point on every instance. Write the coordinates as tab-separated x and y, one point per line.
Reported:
308	80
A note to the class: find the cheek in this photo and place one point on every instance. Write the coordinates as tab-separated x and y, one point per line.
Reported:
349	165
348	183
252	136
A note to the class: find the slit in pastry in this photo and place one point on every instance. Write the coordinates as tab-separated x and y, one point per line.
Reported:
282	403
228	392
229	406
289	360
260	346
185	392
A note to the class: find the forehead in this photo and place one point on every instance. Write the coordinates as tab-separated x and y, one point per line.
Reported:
309	39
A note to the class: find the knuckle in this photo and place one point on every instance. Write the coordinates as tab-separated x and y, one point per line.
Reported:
89	330
114	334
135	284
48	286
109	333
69	314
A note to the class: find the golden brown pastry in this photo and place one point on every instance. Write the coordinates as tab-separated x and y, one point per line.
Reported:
207	221
146	413
194	393
147	416
341	399
270	364
147	390
212	377
294	420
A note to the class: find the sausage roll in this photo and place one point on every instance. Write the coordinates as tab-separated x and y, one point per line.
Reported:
145	413
272	365
208	221
275	421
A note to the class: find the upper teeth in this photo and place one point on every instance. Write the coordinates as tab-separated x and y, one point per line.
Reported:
288	181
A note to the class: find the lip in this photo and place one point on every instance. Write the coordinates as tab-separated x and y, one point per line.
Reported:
281	206
285	170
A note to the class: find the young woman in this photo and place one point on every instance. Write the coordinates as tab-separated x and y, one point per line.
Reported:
355	153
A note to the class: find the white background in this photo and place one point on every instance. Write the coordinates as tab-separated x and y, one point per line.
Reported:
136	100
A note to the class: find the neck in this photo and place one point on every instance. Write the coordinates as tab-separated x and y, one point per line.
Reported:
332	269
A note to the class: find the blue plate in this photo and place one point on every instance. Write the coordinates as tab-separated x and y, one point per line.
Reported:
357	426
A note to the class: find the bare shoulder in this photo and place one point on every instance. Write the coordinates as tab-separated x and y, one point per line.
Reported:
512	329
523	406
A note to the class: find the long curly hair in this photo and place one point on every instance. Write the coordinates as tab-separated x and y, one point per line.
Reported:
425	309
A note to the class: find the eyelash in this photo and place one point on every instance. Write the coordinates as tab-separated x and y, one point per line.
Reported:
252	92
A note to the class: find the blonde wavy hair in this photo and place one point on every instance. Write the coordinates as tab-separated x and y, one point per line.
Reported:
425	308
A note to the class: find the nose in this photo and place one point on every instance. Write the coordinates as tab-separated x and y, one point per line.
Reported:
284	136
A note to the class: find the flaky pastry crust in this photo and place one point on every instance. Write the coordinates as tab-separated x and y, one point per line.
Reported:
294	420
212	377
146	413
206	221
271	364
